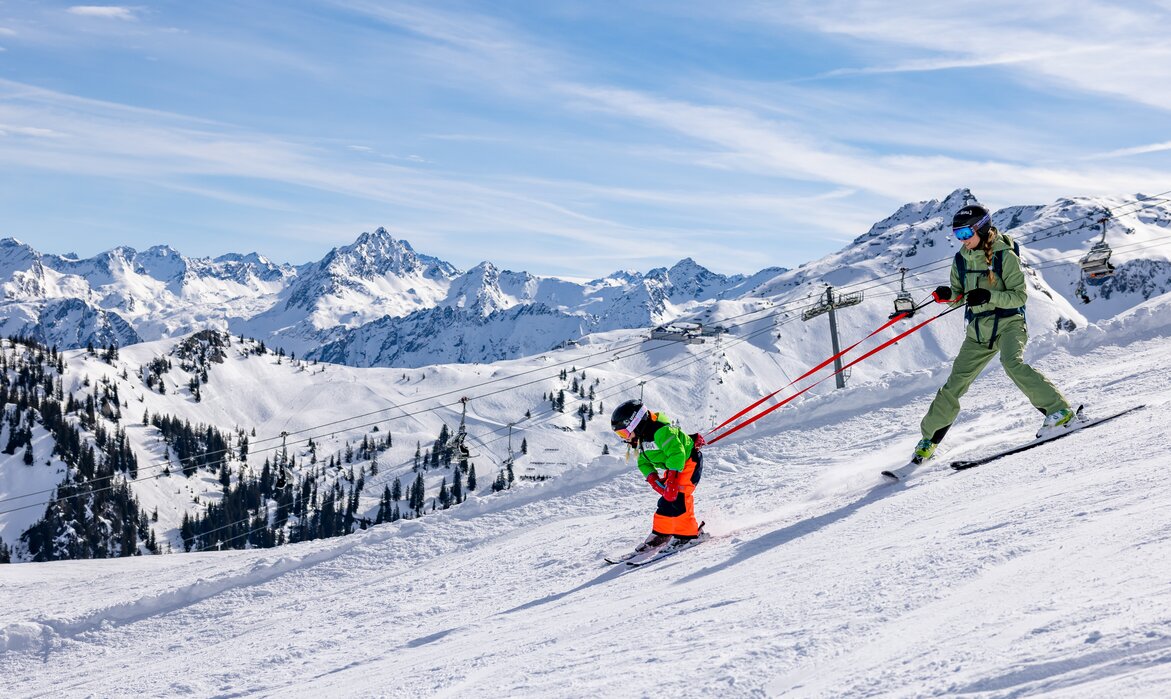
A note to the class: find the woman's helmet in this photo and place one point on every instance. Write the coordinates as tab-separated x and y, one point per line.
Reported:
971	220
625	418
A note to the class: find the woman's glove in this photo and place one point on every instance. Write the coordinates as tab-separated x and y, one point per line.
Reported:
979	297
942	294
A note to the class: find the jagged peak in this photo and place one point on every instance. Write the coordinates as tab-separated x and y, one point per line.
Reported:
382	238
379	252
249	258
688	265
622	275
919	212
162	251
124	252
13	243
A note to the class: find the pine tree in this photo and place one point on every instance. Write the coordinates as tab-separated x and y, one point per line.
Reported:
605	449
419	496
524	446
444	495
396	491
28	454
472	479
457	487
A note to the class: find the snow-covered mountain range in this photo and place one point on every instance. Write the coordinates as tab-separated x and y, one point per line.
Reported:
376	302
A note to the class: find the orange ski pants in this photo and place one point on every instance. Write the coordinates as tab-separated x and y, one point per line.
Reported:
678	516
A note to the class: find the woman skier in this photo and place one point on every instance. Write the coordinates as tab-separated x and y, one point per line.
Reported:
662	446
986	276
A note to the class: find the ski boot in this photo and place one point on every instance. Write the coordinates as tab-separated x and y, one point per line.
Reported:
1057	421
654	541
924	450
680	541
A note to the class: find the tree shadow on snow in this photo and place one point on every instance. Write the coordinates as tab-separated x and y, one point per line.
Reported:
792	532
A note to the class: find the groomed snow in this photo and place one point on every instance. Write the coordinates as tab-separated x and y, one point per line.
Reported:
1042	573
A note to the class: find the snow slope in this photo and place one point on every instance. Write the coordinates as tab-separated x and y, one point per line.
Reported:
1041	574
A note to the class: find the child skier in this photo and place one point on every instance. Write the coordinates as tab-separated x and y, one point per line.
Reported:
986	276
662	446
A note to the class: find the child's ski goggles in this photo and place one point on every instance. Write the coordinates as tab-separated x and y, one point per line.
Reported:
627	433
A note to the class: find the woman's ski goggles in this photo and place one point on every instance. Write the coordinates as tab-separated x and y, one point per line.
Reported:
966	232
627	433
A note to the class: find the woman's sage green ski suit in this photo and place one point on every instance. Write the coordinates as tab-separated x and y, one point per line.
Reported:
997	326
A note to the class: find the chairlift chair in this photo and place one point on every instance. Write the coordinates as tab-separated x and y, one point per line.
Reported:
904	302
1096	263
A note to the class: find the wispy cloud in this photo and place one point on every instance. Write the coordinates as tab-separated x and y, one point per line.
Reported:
104	11
1095	46
112	140
1136	150
751	144
982	61
5	31
465	47
29	131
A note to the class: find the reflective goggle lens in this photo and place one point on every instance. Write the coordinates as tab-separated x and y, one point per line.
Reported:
626	433
966	232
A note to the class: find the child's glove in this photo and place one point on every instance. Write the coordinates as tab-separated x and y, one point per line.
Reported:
656	484
672	490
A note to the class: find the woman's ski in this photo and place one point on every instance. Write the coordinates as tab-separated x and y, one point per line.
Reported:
1077	426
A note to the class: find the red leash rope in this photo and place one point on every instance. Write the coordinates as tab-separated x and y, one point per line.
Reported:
807	374
872	352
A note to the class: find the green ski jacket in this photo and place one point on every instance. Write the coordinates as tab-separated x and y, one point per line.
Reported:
1008	288
670	450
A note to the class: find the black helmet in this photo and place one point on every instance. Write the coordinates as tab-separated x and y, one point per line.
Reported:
627	416
975	216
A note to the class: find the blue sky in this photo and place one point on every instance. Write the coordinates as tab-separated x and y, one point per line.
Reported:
563	137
